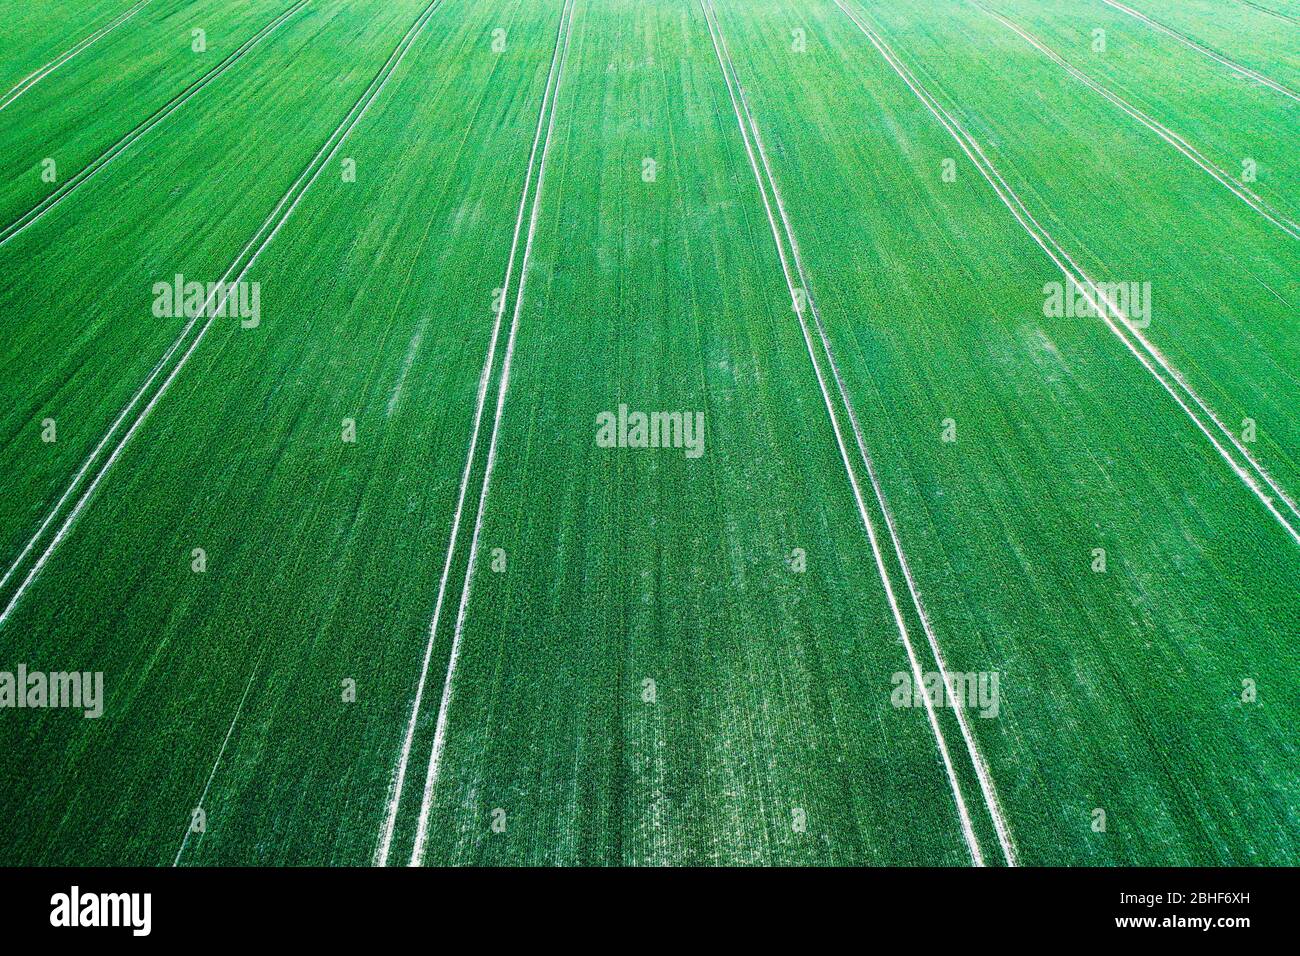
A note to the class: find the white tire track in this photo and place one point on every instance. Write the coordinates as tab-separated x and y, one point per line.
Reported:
1206	51
739	104
1243	193
1248	469
243	262
1271	12
203	797
39	211
27	82
444	707
399	778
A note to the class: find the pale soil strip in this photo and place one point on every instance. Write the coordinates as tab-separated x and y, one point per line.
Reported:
1206	51
38	212
40	73
399	778
736	94
1171	380
261	239
1169	136
444	706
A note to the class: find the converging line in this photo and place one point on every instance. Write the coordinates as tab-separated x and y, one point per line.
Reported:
243	262
1248	196
737	95
541	141
1206	51
27	82
39	211
1251	473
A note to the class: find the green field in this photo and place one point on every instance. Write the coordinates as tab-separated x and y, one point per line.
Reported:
369	582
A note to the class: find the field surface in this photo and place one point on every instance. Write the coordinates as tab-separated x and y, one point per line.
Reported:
917	570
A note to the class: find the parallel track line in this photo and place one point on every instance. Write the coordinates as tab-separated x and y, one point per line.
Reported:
46	205
444	706
261	239
1206	51
738	103
1246	195
1251	472
40	73
489	363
